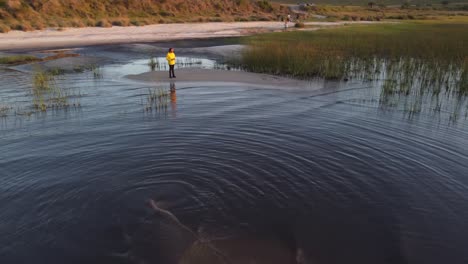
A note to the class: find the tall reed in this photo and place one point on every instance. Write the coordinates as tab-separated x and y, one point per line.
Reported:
422	55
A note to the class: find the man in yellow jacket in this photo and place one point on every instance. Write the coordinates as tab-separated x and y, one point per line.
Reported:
171	60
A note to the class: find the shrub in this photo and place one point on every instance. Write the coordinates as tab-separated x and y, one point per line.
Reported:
135	22
242	3
23	27
90	22
299	25
38	25
346	18
121	23
103	23
165	14
218	6
265	5
241	19
4	28
77	23
215	19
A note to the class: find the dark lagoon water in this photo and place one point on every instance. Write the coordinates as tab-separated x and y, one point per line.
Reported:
341	172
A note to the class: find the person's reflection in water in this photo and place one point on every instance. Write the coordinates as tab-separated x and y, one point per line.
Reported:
173	99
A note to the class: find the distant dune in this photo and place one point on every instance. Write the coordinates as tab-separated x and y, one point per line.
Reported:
39	14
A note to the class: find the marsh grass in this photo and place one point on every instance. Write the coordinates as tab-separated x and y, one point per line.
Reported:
157	99
153	63
428	56
18	59
160	63
97	72
23	59
5	110
48	95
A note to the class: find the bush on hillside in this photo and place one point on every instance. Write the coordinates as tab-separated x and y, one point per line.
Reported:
265	5
103	23
24	26
299	25
4	28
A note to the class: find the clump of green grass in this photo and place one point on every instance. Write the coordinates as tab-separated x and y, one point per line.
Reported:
153	64
432	56
56	71
5	110
299	25
47	95
97	71
157	99
18	59
42	80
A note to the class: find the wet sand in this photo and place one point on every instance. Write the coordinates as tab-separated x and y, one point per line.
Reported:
223	76
74	37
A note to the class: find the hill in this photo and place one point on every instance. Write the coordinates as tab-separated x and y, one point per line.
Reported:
38	14
365	2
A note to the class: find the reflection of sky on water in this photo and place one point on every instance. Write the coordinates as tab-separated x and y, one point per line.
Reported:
142	66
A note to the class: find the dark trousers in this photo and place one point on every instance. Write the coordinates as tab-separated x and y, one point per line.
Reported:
171	71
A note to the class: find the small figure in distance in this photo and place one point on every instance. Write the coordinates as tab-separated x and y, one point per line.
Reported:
286	21
171	60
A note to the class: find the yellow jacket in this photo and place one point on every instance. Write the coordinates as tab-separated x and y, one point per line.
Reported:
170	57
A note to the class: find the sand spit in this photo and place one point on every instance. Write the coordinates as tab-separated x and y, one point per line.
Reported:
192	75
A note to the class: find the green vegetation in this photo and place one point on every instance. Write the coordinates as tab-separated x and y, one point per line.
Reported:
47	95
157	99
18	59
153	64
97	72
5	110
431	56
30	15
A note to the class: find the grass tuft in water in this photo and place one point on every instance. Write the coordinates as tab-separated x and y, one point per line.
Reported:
157	99
48	95
153	64
97	72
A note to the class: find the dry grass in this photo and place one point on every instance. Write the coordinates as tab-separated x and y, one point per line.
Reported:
30	15
379	11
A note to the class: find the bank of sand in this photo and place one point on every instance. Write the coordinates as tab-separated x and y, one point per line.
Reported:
75	37
214	77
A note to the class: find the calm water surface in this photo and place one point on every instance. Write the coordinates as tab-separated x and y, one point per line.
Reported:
340	172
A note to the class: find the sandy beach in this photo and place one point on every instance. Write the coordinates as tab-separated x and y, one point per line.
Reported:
74	37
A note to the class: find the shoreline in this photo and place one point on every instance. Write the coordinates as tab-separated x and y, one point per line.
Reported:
93	36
